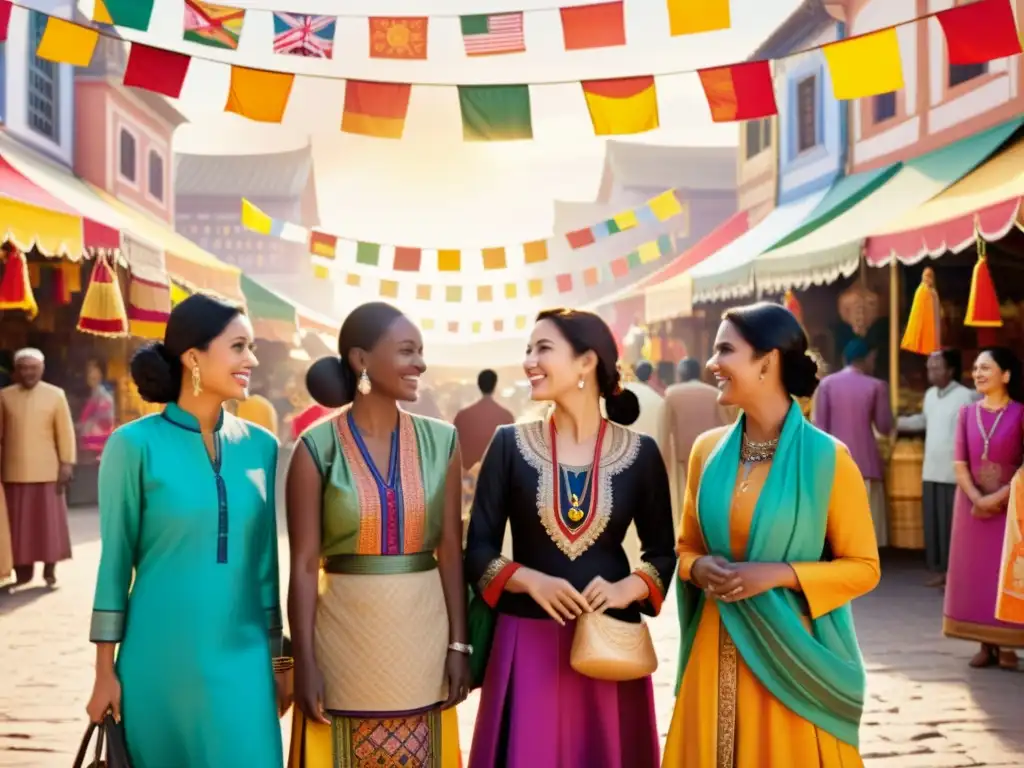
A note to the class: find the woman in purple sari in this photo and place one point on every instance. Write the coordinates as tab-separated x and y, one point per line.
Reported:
989	450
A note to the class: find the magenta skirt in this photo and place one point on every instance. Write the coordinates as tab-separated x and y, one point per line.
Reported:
38	515
537	712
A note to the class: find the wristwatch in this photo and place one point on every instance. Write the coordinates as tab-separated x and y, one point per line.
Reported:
461	648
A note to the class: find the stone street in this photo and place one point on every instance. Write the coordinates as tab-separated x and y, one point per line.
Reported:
926	708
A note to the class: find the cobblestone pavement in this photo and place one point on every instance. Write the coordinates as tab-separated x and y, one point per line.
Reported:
926	709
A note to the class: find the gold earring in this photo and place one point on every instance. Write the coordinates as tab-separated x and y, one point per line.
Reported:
581	383
197	382
364	385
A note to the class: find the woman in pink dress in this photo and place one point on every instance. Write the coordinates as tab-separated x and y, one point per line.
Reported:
989	450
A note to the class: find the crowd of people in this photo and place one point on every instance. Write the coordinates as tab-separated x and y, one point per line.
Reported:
579	522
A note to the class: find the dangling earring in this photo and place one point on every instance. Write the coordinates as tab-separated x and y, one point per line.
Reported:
364	385
761	377
197	382
581	383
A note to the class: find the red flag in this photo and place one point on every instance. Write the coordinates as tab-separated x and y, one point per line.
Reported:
5	19
564	282
580	238
593	26
407	259
157	70
740	91
980	32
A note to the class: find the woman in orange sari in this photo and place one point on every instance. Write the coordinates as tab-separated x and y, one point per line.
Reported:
1010	600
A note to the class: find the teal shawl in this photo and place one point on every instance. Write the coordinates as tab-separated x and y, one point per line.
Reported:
819	675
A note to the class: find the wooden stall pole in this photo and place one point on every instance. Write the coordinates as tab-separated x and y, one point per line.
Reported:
894	336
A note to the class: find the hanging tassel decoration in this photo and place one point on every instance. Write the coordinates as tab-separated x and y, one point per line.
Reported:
15	286
983	304
923	335
792	303
103	312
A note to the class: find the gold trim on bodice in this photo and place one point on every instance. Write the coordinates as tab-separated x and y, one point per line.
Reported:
621	447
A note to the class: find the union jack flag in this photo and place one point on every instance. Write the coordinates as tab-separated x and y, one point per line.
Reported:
298	34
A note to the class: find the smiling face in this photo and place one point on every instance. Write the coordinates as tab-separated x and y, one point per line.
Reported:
989	378
552	365
395	363
225	366
736	368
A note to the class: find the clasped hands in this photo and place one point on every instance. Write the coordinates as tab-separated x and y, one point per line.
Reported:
732	582
987	506
562	602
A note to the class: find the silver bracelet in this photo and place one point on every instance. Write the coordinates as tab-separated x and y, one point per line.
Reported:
461	648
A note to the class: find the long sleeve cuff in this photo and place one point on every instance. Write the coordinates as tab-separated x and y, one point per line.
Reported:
106	626
686	561
827	586
495	577
655	587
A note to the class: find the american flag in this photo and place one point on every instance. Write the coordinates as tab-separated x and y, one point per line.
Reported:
485	34
299	34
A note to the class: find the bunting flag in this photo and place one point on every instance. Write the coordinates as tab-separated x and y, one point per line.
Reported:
866	65
622	105
453	293
923	334
488	34
375	109
485	293
5	19
103	312
625	220
980	32
131	14
564	283
495	112
593	26
368	254
258	94
407	259
323	245
580	238
218	26
395	37
494	258
157	70
389	289
15	286
666	205
691	17
982	303
256	220
149	308
739	92
423	292
535	287
591	277
299	34
449	261
535	252
65	42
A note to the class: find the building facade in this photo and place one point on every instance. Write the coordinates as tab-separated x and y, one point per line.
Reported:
37	97
940	103
123	141
209	191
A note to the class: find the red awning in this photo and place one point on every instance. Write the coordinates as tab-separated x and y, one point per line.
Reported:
710	244
954	235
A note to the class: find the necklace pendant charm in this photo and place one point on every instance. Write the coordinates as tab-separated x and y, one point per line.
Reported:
575	514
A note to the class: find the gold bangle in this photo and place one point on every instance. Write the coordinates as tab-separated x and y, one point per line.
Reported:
283	663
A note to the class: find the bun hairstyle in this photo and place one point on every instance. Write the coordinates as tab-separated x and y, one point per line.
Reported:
331	381
156	368
587	332
767	327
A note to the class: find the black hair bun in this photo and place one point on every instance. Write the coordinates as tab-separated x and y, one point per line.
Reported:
799	374
156	374
327	383
622	408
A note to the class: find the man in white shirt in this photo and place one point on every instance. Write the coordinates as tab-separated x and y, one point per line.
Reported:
942	404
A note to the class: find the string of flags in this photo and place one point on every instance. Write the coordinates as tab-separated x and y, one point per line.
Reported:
533	288
329	247
860	67
596	25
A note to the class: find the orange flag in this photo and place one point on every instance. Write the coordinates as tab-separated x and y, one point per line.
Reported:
398	37
258	94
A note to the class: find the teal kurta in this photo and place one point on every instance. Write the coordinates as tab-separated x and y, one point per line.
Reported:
200	538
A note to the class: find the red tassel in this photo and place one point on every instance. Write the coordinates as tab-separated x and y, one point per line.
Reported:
983	303
15	287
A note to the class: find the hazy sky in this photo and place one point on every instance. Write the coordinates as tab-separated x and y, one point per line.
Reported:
430	187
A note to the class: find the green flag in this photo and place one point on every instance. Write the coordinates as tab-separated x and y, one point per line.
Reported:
368	253
495	112
132	14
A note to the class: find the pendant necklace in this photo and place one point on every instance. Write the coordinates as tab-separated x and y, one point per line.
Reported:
989	474
987	436
577	503
751	454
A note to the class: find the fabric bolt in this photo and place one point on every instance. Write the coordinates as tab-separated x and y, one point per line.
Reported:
131	14
593	26
495	112
866	65
973	577
622	105
192	598
67	43
740	91
257	410
375	109
258	94
398	37
691	17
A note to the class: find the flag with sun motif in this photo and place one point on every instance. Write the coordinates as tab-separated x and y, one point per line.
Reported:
299	34
393	37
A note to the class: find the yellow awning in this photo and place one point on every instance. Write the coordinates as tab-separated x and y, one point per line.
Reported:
186	262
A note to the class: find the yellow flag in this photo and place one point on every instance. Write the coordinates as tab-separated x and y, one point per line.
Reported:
100	14
689	17
427	324
254	219
353	280
67	43
625	220
649	252
535	252
320	272
423	292
511	290
389	289
536	288
453	293
477	326
259	95
178	294
520	322
665	206
866	65
449	261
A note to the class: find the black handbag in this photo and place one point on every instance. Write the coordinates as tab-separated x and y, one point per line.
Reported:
109	738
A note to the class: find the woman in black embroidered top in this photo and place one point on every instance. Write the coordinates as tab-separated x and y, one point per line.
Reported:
536	711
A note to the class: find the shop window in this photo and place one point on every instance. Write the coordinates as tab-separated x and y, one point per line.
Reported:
758	135
884	106
126	155
961	73
43	84
807	113
156	175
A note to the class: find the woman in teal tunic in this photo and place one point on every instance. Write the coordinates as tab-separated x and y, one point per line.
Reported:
376	597
188	575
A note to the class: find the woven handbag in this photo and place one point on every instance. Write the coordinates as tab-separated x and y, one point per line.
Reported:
106	737
609	649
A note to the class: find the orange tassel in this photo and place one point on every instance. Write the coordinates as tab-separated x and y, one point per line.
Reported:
16	287
923	334
983	304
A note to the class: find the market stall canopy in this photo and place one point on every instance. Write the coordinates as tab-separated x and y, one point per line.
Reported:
274	317
989	197
44	206
186	262
834	249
